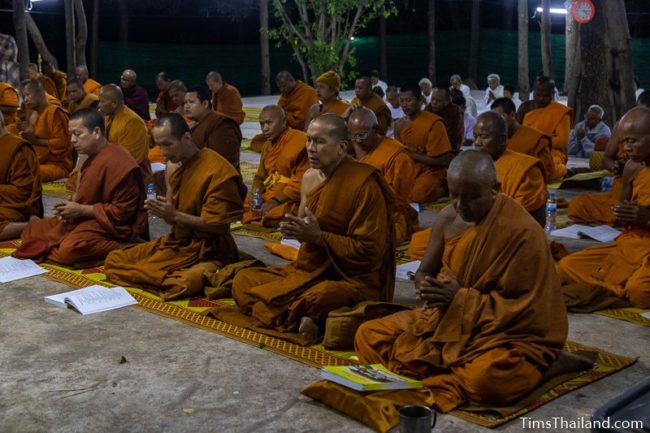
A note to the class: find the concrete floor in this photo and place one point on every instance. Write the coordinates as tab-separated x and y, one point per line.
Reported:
61	372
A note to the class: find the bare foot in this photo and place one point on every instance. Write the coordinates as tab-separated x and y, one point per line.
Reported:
308	328
567	362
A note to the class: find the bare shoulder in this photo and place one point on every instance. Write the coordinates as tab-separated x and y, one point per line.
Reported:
311	179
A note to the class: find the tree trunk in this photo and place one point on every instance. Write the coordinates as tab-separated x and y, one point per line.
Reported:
123	12
82	33
547	58
522	70
431	29
68	6
94	39
572	56
265	59
472	70
383	53
20	25
507	14
39	42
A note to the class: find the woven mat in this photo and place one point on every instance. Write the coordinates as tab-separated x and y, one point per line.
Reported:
632	315
256	231
252	114
56	189
248	172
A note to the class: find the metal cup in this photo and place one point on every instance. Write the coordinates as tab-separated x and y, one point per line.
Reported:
416	419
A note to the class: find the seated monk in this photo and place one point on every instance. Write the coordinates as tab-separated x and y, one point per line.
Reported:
164	103
425	136
554	120
78	98
204	195
135	96
365	97
328	86
177	90
524	139
521	177
620	270
226	100
46	128
20	184
296	99
9	103
347	253
282	165
32	73
108	210
493	319
90	85
59	78
394	162
210	129
452	115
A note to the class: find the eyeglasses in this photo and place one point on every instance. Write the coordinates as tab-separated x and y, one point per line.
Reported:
359	137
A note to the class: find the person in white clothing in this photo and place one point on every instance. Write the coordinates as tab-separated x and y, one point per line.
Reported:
426	87
494	90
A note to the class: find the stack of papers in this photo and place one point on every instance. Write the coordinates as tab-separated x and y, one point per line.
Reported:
407	271
577	231
12	269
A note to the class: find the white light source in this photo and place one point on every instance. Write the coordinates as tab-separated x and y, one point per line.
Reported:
351	38
559	11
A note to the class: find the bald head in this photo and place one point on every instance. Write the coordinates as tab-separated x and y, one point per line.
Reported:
364	117
284	75
34	95
273	122
633	130
327	142
274	111
490	134
111	99
81	71
362	131
128	79
285	82
473	184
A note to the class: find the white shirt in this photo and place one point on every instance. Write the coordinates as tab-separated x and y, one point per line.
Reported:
497	92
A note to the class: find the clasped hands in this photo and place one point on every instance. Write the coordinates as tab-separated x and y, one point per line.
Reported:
69	210
162	208
631	214
435	292
304	229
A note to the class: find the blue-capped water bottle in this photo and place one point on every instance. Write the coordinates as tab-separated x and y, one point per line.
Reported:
257	201
551	212
151	195
606	184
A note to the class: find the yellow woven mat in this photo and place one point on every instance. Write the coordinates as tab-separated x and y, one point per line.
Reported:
248	172
632	315
252	114
56	189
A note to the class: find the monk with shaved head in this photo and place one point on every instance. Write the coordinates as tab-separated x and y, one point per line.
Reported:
365	97
296	98
618	274
32	72
282	166
226	99
394	162
90	85
135	96
347	252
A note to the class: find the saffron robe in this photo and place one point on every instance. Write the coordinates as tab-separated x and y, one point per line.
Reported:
503	328
297	103
454	119
220	134
20	181
60	80
536	144
88	101
336	106
521	179
92	86
622	267
127	129
553	120
354	263
9	103
55	157
172	266
50	87
381	110
112	183
227	102
394	162
426	135
279	176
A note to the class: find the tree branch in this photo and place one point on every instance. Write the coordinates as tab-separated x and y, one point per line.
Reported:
35	33
287	22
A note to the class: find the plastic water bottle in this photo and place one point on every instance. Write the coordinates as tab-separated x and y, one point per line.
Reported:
151	194
257	201
551	212
606	184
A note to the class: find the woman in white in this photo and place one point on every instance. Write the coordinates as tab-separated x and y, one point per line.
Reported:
494	90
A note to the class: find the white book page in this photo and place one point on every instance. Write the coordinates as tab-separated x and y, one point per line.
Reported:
291	243
12	269
571	232
100	299
646	315
601	233
405	270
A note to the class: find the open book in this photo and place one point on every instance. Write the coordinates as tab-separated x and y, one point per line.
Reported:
12	269
406	271
93	299
369	377
577	231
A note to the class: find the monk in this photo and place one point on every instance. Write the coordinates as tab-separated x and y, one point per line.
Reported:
212	130
177	90
347	251
425	136
521	177
32	72
554	120
328	86
204	195
164	103
78	98
619	271
107	212
365	97
296	99
135	96
20	184
59	78
524	139
492	323
452	115
226	99
46	128
282	165
9	103
90	85
394	162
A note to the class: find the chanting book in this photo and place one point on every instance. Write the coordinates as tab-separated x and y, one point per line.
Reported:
368	377
93	299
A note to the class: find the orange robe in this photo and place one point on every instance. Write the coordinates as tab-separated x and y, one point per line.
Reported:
9	103
88	101
92	86
534	143
296	104
127	129
227	102
220	134
503	328
279	176
20	181
394	162
112	183
553	120
355	262
60	80
381	110
426	135
623	267
454	119
50	87
521	179
337	107
173	265
155	155
55	157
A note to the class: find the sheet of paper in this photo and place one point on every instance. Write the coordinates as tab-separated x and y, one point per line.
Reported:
601	233
646	315
12	269
291	243
571	232
405	270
